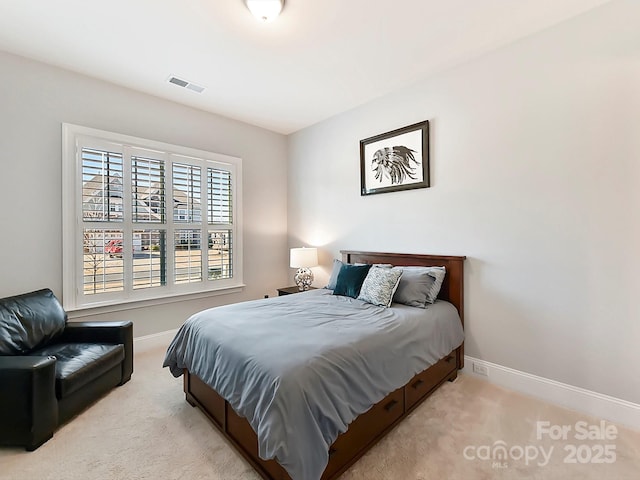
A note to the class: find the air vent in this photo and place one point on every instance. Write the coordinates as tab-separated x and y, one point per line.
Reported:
185	84
195	88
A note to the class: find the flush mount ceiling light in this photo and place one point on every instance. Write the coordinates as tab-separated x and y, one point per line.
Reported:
265	10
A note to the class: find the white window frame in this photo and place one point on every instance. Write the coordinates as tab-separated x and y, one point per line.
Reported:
73	138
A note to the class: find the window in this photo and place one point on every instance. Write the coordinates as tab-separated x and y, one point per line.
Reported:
146	220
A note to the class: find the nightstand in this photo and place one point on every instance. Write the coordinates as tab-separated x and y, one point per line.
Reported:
290	290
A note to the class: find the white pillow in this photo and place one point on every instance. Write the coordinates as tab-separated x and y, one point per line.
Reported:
379	285
335	270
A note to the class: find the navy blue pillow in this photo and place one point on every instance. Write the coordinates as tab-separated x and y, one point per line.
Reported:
350	280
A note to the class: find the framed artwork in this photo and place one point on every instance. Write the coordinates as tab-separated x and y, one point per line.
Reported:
394	161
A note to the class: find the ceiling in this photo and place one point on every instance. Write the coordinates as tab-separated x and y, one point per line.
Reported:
319	58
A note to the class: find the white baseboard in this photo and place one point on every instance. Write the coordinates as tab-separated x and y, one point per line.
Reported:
155	340
575	398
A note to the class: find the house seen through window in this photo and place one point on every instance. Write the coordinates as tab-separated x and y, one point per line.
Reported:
151	221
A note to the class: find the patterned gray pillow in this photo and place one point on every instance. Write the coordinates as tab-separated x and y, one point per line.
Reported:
380	285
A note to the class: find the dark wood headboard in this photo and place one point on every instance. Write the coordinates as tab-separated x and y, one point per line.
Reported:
452	287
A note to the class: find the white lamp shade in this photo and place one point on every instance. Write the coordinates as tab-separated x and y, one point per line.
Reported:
265	10
303	257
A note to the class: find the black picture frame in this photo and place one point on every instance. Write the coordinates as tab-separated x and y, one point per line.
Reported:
396	160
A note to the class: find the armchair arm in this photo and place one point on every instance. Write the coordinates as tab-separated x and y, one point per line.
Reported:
28	404
103	332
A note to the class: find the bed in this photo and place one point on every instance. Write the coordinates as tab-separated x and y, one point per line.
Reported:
311	406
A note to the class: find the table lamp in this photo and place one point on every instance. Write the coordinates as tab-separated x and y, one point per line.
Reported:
303	259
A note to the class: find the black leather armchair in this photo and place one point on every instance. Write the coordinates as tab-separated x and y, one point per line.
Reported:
51	369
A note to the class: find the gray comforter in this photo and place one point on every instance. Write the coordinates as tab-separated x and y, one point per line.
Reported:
301	367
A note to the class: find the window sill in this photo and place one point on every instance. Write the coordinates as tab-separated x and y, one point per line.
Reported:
97	309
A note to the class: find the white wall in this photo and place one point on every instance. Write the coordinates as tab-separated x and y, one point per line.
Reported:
34	101
535	163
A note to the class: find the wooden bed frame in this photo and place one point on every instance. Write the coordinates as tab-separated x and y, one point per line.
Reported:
367	429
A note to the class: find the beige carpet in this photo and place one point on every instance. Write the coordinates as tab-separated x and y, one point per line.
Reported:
146	430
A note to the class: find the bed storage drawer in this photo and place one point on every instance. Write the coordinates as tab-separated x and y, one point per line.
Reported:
364	430
241	432
424	382
212	403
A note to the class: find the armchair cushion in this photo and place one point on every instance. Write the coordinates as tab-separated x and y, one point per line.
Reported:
103	332
29	321
79	363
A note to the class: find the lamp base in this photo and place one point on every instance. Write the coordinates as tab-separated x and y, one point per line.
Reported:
303	278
